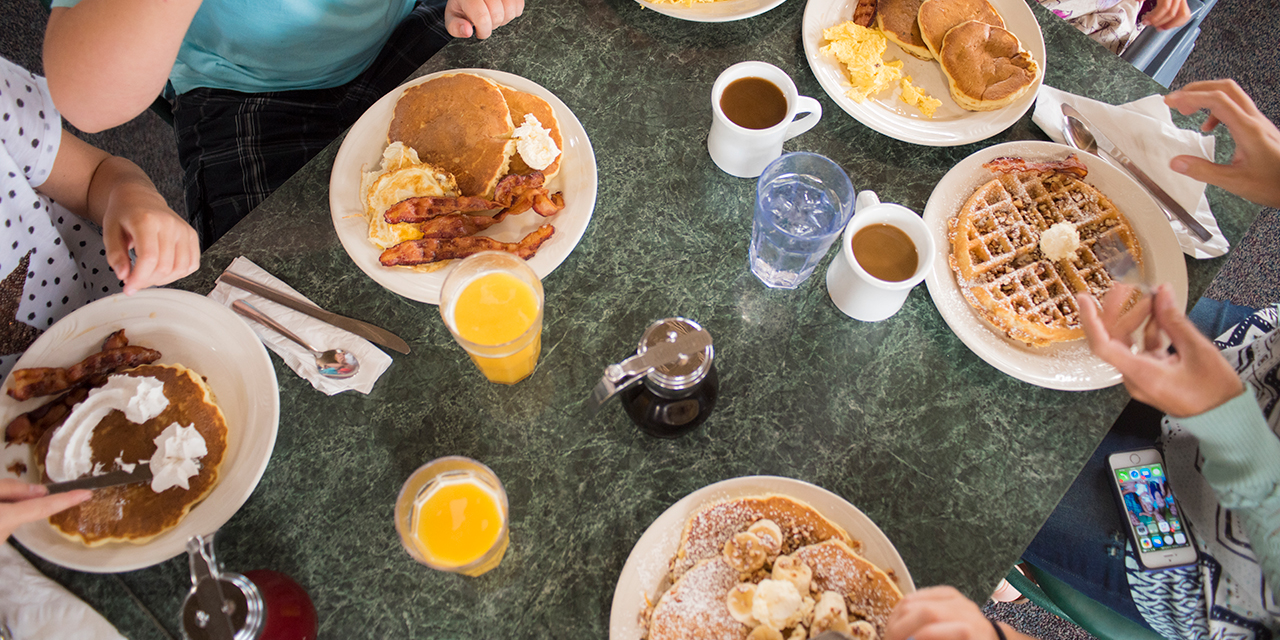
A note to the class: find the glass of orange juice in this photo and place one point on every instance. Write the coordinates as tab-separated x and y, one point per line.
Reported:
452	516
492	304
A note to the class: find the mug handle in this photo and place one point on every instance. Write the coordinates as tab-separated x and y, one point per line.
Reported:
813	112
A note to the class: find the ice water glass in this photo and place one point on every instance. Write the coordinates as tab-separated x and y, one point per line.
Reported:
803	201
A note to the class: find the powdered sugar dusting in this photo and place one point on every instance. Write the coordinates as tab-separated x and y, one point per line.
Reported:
695	606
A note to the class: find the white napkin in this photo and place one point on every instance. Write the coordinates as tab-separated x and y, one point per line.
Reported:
33	606
1144	130
320	334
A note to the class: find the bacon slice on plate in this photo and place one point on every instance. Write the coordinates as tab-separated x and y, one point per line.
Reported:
429	207
1071	165
30	383
514	193
429	250
457	225
29	427
865	13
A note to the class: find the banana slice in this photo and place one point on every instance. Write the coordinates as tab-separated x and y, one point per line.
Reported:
764	632
863	630
793	571
769	533
798	633
745	553
739	602
829	614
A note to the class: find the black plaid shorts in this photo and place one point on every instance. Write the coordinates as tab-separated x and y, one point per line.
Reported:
237	148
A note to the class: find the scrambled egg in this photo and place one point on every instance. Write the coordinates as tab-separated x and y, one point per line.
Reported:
401	176
861	50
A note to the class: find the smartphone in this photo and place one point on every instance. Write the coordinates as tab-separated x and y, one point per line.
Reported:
1155	522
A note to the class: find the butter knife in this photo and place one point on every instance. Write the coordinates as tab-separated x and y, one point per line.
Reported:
1161	196
360	328
141	474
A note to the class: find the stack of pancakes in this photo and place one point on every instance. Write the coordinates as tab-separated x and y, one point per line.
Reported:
134	513
985	64
714	565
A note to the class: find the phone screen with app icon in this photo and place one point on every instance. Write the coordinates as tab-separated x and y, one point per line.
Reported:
1150	508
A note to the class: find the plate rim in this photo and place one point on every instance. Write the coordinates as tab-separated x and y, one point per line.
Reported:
425	287
679	512
924	131
1150	225
691	13
266	410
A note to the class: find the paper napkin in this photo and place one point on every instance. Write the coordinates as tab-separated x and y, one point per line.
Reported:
1144	130
33	606
320	334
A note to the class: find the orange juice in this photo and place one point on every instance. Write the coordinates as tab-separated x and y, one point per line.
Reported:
458	522
499	314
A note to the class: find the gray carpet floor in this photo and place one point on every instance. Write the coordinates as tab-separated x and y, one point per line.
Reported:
1238	40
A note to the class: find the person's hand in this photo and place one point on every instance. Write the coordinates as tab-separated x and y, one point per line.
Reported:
941	613
166	247
1254	171
1189	382
464	18
1168	14
21	503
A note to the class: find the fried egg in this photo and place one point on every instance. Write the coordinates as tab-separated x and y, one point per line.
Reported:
401	176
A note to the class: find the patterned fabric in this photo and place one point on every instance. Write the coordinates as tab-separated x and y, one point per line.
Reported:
1112	23
1225	596
237	148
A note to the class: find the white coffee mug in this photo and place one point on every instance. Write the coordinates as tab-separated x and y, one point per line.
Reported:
859	294
743	152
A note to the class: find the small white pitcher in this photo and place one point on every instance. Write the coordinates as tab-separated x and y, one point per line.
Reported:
859	294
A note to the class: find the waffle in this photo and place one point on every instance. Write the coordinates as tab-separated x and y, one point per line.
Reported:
995	249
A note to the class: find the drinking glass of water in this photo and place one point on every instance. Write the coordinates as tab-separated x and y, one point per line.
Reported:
803	202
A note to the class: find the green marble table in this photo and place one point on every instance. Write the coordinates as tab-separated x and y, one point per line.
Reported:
958	463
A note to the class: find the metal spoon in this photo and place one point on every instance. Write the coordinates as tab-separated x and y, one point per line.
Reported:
334	363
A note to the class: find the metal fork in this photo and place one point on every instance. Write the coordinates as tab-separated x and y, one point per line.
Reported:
1120	263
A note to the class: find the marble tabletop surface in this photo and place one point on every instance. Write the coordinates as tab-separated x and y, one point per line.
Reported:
958	463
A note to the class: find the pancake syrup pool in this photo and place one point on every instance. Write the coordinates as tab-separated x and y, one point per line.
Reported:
670	385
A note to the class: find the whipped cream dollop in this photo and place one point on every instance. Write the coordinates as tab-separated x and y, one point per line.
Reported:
534	143
1060	241
141	398
777	603
177	457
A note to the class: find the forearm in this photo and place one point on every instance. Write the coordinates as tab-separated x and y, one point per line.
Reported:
121	185
107	60
1242	463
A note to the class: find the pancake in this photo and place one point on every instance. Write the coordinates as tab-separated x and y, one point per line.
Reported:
897	19
986	66
937	17
460	123
134	513
694	607
707	531
869	592
521	103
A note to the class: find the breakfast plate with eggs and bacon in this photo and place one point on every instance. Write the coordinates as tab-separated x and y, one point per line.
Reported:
710	10
81	401
457	162
934	72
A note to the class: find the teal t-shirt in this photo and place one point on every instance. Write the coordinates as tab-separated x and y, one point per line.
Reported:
278	45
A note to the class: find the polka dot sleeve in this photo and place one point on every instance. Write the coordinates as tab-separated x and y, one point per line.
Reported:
30	127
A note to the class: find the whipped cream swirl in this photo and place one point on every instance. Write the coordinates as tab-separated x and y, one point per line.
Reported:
177	457
140	398
534	143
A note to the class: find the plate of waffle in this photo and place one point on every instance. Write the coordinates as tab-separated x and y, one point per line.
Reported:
476	113
886	111
711	10
757	551
220	368
994	217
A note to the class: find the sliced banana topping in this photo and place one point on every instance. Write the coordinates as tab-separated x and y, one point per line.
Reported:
764	632
769	533
829	614
739	603
863	630
798	633
793	571
776	604
745	553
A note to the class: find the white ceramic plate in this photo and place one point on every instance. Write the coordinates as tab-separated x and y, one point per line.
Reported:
645	572
1068	366
362	151
722	11
190	330
887	114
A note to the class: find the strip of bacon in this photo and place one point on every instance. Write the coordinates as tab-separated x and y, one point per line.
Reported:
457	225
115	340
429	250
512	185
429	207
29	427
30	383
865	13
1071	165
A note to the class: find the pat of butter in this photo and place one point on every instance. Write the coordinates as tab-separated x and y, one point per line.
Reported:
1060	241
534	143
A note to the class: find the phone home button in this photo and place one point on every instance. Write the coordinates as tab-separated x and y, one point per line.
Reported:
1135	458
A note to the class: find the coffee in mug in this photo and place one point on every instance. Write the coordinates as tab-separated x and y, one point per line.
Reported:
753	103
750	123
885	252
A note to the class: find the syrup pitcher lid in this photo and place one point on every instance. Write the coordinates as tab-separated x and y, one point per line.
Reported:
674	353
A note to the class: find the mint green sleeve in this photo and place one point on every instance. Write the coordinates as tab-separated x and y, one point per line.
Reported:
1242	463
